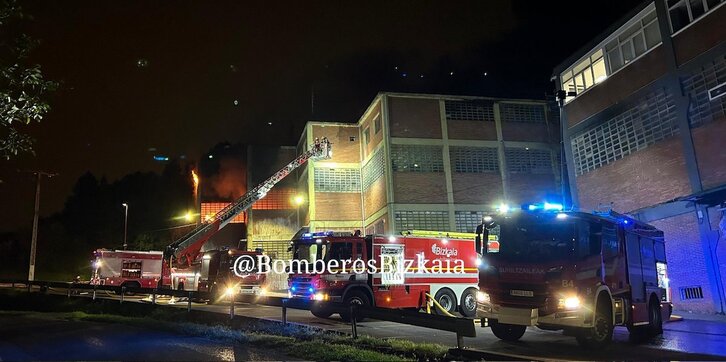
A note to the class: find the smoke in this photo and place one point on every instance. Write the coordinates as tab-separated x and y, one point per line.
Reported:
231	179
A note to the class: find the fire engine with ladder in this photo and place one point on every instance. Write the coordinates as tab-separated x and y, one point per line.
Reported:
183	265
583	273
411	280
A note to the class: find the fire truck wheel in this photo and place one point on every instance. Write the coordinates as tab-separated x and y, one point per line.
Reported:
507	332
601	334
355	297
467	305
446	298
655	325
320	311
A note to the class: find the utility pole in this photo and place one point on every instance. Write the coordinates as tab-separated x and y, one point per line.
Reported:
34	239
126	222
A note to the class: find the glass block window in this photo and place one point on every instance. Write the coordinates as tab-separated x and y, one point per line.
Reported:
469	110
467	221
652	119
704	110
521	160
531	113
373	169
337	179
415	158
422	220
474	159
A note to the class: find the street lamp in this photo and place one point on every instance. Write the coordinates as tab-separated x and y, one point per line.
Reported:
126	221
298	200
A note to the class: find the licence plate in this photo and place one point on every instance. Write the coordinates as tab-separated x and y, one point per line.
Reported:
247	291
521	293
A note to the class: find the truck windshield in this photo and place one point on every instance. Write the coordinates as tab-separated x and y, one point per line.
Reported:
309	252
536	242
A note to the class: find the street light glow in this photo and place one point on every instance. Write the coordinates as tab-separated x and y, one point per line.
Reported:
298	200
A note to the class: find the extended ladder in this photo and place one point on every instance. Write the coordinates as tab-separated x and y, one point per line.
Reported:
187	248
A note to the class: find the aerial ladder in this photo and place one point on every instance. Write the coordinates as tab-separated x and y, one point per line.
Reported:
187	248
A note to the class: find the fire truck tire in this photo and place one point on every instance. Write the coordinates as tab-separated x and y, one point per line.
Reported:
320	311
355	297
130	285
446	298
467	305
601	334
507	332
655	325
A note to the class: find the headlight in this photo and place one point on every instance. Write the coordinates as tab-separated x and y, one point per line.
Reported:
229	291
482	297
263	291
320	296
570	303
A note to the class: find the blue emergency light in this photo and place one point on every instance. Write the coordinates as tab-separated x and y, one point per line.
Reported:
545	206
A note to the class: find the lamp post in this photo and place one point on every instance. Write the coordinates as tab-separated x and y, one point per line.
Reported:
126	221
34	237
298	201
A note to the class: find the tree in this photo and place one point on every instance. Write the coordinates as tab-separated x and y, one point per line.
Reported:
23	90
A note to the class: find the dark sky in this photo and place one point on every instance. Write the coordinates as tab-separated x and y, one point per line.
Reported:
181	76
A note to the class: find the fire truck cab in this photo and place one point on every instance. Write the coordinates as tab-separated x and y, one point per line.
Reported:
217	274
580	272
386	271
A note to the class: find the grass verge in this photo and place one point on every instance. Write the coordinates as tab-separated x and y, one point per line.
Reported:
293	340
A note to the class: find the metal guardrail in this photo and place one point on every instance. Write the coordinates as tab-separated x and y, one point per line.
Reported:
462	327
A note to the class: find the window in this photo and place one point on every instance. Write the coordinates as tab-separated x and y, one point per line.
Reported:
467	221
647	122
618	50
337	179
373	169
633	42
530	113
474	159
469	110
610	244
684	12
422	220
533	161
367	135
415	158
340	251
585	74
377	124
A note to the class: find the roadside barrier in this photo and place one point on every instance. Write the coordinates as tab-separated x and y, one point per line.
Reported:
462	327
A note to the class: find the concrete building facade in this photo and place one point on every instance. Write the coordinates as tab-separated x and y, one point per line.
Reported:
644	130
430	162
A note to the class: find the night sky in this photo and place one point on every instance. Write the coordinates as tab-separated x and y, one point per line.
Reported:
179	76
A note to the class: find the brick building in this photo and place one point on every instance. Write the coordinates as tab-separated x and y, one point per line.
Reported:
430	162
644	129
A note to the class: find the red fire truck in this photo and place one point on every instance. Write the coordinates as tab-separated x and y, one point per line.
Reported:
135	269
183	265
583	273
399	271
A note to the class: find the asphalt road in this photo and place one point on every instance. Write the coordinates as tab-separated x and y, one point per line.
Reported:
688	339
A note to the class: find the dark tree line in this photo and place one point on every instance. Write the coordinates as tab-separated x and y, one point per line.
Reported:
93	218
